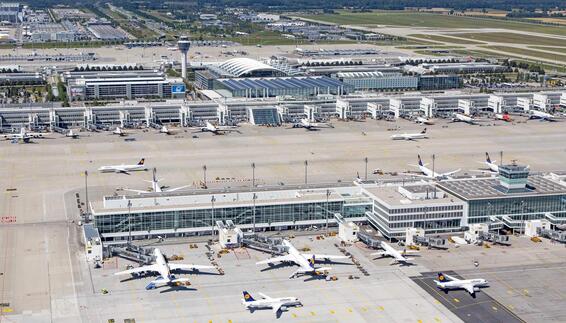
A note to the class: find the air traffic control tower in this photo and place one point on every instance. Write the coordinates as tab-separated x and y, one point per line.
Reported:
184	44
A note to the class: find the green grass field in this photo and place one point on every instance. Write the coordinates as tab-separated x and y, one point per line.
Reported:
513	38
517	58
528	52
446	39
421	19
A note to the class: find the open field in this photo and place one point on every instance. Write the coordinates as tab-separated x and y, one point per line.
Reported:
446	39
528	52
555	20
513	38
420	19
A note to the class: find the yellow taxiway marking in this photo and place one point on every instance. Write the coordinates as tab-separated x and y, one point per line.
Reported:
350	310
419	321
380	308
229	321
332	312
511	307
294	315
437	319
7	310
456	300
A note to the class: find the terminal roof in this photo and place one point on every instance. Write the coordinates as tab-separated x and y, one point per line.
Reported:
470	189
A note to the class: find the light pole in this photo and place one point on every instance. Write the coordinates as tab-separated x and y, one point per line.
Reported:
87	217
306	171
253	175
366	161
212	200
254	198
433	173
204	175
129	221
327	211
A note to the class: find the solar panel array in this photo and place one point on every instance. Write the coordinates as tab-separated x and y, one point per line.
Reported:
481	188
280	83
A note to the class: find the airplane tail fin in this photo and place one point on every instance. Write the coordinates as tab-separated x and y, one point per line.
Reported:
248	297
442	278
420	160
312	262
142	161
424	131
487	159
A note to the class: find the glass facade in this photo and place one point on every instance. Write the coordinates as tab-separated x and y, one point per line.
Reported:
241	215
520	207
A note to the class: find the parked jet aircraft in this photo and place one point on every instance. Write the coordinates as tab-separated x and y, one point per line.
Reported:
447	282
275	304
428	173
423	120
410	136
217	130
164	269
119	131
543	116
459	117
72	134
491	165
124	169
305	261
155	187
312	126
398	256
23	136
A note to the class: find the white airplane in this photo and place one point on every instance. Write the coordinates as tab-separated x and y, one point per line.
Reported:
155	187
459	117
124	169
543	116
423	120
398	256
410	136
72	134
165	130
275	304
209	127
305	261
491	164
446	282
305	123
119	131
164	268
23	136
428	173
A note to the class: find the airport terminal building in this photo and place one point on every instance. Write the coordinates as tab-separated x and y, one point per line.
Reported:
392	206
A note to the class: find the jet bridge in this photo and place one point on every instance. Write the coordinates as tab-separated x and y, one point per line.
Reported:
558	236
494	238
264	243
141	255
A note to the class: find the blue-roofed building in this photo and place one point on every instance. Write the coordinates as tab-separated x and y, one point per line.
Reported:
298	86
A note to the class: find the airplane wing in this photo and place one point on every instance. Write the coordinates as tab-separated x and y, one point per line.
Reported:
264	296
413	174
276	307
452	278
154	267
136	191
469	288
452	172
320	257
276	259
188	266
